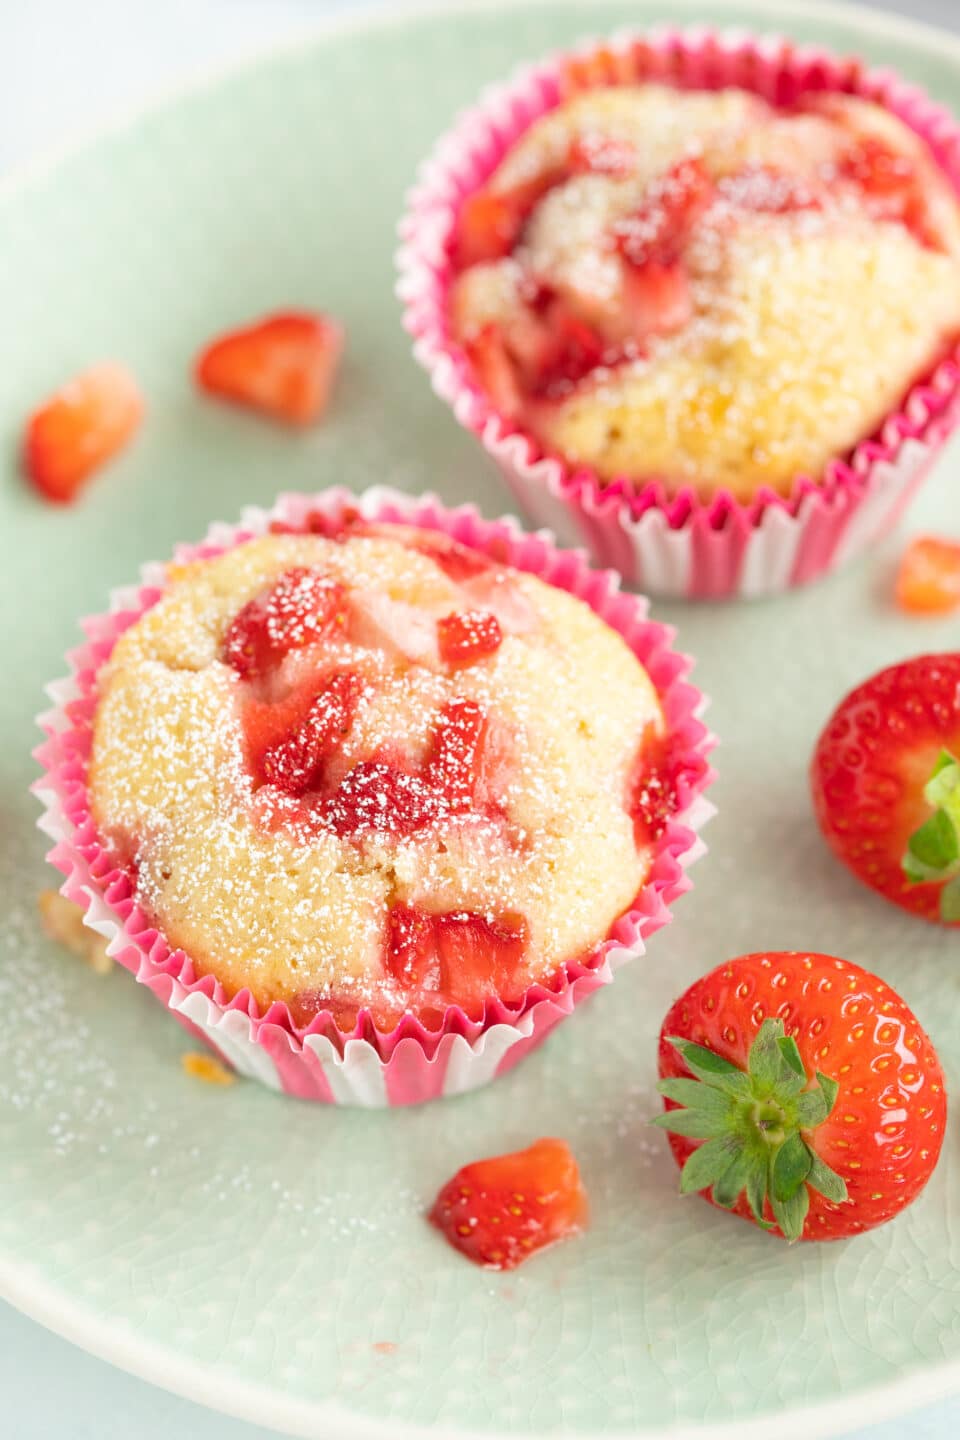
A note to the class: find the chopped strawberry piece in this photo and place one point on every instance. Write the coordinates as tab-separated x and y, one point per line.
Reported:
659	230
267	723
576	350
929	578
494	369
79	429
299	609
282	366
596	154
335	527
378	798
467	636
771	192
656	298
891	187
481	959
652	789
499	1212
411	945
877	169
490	221
488	228
295	763
455	748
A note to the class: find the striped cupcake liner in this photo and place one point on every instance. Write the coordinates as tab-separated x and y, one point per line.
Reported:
368	1067
675	545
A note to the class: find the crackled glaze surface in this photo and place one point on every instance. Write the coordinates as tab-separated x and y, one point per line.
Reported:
117	1172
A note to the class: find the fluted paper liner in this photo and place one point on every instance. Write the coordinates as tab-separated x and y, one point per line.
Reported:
666	544
367	1067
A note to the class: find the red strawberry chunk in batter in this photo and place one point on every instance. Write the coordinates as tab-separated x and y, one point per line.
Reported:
467	636
460	958
376	797
652	791
295	763
658	231
301	608
454	753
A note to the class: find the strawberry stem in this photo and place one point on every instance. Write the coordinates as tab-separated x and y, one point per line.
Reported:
933	850
755	1126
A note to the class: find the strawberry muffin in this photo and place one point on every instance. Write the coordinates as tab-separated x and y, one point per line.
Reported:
705	288
369	769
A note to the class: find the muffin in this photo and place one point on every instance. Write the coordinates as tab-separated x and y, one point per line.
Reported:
348	782
692	281
376	772
704	287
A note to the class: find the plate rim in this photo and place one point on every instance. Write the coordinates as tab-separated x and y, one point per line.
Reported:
164	1366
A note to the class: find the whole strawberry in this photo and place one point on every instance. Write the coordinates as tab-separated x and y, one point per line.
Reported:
802	1094
886	785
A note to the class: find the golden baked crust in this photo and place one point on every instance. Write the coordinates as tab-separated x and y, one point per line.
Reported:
263	894
806	325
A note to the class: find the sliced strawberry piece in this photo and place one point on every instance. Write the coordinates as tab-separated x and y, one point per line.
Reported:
928	581
491	363
652	789
335	527
596	154
295	763
673	204
576	351
499	1212
379	798
878	170
299	609
656	298
891	186
468	636
488	227
282	366
79	429
452	763
411	945
490	221
481	959
267	723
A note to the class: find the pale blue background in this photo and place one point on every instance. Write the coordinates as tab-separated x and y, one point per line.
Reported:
66	66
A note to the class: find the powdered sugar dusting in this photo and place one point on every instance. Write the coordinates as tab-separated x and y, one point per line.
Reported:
792	316
288	893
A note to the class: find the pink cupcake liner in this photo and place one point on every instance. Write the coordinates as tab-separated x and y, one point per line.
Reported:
368	1067
679	545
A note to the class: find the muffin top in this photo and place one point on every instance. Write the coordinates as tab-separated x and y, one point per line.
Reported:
377	770
701	288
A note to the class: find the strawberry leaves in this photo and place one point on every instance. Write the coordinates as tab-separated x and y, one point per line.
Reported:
755	1126
933	851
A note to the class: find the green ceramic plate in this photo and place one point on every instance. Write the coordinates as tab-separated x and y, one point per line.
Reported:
268	1257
